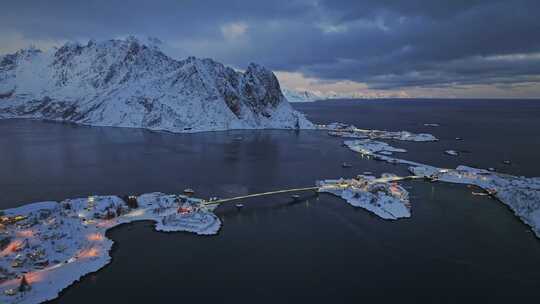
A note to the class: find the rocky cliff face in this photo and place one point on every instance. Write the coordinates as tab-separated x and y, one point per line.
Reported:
129	84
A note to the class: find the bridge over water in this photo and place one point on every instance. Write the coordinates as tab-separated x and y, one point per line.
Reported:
306	189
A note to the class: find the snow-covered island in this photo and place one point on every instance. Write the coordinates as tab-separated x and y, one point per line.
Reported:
381	196
350	131
370	147
47	246
130	83
452	152
520	194
378	150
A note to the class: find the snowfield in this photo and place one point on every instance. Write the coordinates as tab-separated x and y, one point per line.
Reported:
126	83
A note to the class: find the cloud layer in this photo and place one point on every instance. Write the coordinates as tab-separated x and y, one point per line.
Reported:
384	44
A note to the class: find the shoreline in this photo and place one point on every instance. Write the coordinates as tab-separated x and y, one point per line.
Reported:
84	240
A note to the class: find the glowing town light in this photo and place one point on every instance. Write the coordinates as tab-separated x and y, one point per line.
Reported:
33	277
11	247
88	253
95	237
184	210
25	233
91	201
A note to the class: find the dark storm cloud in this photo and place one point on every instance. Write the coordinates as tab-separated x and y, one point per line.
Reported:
73	19
387	44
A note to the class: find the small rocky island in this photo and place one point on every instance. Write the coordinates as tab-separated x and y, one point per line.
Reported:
381	196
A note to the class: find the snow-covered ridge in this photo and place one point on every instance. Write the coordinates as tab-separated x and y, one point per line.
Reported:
127	83
303	95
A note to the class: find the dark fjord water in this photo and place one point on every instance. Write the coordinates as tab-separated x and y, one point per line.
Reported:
456	246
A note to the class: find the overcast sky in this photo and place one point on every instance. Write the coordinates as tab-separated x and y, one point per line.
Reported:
452	48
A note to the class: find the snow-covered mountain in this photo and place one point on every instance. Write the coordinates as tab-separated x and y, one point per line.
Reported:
308	96
301	95
128	83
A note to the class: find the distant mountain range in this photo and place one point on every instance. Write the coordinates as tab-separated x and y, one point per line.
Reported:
128	83
308	96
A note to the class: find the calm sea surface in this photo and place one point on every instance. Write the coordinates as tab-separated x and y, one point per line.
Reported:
455	247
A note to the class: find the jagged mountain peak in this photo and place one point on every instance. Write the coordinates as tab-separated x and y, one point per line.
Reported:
125	82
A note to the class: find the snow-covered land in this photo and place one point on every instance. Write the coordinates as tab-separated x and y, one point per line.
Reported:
382	196
521	194
303	95
378	150
309	96
350	131
370	147
452	152
51	244
126	83
47	246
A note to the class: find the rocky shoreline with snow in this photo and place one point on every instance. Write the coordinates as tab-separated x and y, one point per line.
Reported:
381	196
520	194
47	246
351	131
